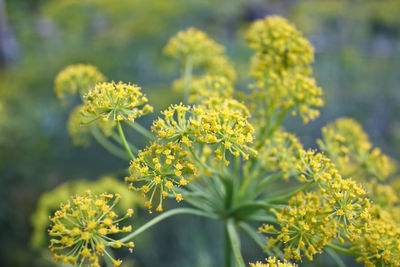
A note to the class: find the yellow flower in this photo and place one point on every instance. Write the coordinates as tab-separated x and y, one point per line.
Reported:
305	228
347	144
77	78
281	153
80	228
195	44
273	262
210	86
279	45
114	102
161	167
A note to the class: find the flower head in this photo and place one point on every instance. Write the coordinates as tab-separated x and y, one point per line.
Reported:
281	153
279	46
349	147
273	262
115	102
210	86
81	229
161	168
304	227
220	123
77	78
195	44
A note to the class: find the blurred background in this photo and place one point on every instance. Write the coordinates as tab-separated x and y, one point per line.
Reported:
357	44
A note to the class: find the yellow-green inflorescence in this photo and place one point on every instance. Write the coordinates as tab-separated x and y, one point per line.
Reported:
224	125
160	169
281	152
210	86
273	262
77	78
281	68
347	144
110	101
81	229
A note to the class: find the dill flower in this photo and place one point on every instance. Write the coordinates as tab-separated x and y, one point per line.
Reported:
77	78
115	102
224	125
281	153
279	45
195	44
379	244
161	168
273	262
80	229
294	93
347	200
347	144
304	227
210	86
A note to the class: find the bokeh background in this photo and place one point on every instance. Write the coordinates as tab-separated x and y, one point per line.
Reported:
357	44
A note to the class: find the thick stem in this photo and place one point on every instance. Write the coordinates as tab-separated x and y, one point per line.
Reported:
227	248
235	242
164	216
124	142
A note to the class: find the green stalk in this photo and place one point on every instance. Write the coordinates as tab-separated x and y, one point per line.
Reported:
335	257
117	139
289	194
124	142
187	78
143	131
107	145
227	249
235	242
342	250
164	216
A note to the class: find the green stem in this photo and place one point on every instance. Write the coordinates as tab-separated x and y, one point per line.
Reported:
107	145
227	248
187	78
235	242
143	131
124	142
289	194
342	250
335	257
164	216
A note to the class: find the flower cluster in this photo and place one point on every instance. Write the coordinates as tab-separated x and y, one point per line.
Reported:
194	44
379	244
346	198
279	46
79	134
281	68
210	86
305	227
224	125
77	78
162	168
114	102
81	229
346	143
281	153
272	262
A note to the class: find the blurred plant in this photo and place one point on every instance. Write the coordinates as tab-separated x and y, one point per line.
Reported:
227	159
